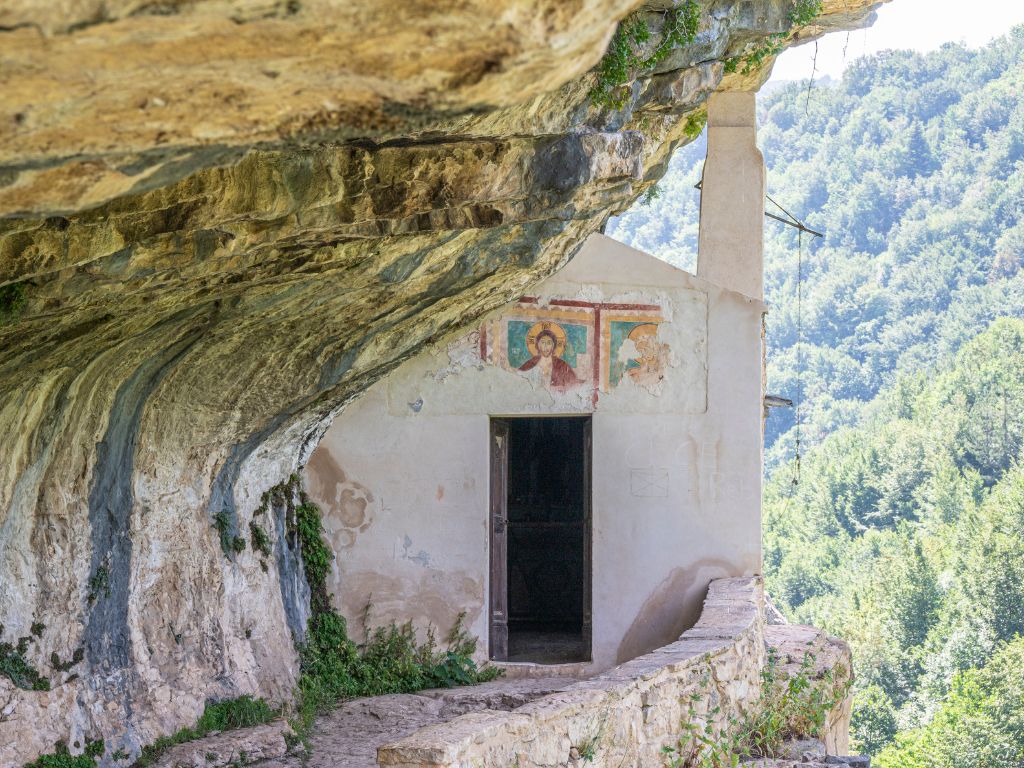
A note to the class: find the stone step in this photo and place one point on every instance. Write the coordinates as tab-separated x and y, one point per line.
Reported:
831	761
806	753
270	741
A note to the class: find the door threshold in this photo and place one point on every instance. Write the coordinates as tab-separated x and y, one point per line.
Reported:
517	670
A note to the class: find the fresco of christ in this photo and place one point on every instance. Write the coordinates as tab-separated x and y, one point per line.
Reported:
546	341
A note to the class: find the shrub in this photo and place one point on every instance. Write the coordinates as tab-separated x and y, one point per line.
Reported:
15	667
62	758
791	707
392	660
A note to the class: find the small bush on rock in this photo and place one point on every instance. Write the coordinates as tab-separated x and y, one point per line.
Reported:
792	706
15	667
802	14
260	540
62	758
625	57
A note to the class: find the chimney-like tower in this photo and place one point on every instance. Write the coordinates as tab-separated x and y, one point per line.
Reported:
730	252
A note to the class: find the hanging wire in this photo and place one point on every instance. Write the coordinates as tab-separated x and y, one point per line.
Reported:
790	220
799	347
810	82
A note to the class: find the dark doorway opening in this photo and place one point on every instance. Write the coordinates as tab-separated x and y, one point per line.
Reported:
540	542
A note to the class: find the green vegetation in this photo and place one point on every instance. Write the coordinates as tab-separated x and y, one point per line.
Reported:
225	715
260	540
12	302
790	706
230	544
62	758
904	532
979	725
99	584
64	666
628	53
802	14
695	125
316	555
16	668
391	660
228	715
652	194
587	749
702	744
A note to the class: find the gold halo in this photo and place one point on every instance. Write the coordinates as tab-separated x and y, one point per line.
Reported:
553	328
647	329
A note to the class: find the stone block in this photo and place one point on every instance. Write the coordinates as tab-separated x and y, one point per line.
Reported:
230	748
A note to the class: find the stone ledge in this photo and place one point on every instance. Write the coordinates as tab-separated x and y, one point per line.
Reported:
229	748
791	642
826	762
625	715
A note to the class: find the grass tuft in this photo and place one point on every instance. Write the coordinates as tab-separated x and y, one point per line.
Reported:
62	758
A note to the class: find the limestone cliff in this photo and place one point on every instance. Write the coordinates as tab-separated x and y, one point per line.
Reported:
225	219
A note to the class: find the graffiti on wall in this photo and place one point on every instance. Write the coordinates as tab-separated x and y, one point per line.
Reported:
567	344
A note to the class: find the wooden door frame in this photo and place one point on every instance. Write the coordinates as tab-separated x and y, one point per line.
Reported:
498	534
587	629
498	545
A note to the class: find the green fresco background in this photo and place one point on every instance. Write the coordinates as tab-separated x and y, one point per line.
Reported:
575	341
620	331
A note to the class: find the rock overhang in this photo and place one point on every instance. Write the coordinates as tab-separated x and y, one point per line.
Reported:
228	219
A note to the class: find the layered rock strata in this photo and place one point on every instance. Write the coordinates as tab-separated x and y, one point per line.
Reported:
222	220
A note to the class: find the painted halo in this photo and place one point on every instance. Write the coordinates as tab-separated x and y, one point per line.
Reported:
554	329
647	329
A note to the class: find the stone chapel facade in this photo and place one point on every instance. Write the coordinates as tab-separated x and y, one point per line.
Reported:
570	473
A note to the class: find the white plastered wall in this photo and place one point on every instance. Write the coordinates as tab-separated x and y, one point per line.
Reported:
402	474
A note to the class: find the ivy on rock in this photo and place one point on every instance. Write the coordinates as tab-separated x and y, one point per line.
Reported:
626	56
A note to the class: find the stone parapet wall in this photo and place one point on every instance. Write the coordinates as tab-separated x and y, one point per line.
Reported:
622	717
790	643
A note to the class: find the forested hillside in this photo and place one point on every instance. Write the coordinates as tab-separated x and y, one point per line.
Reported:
911	166
905	535
902	530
